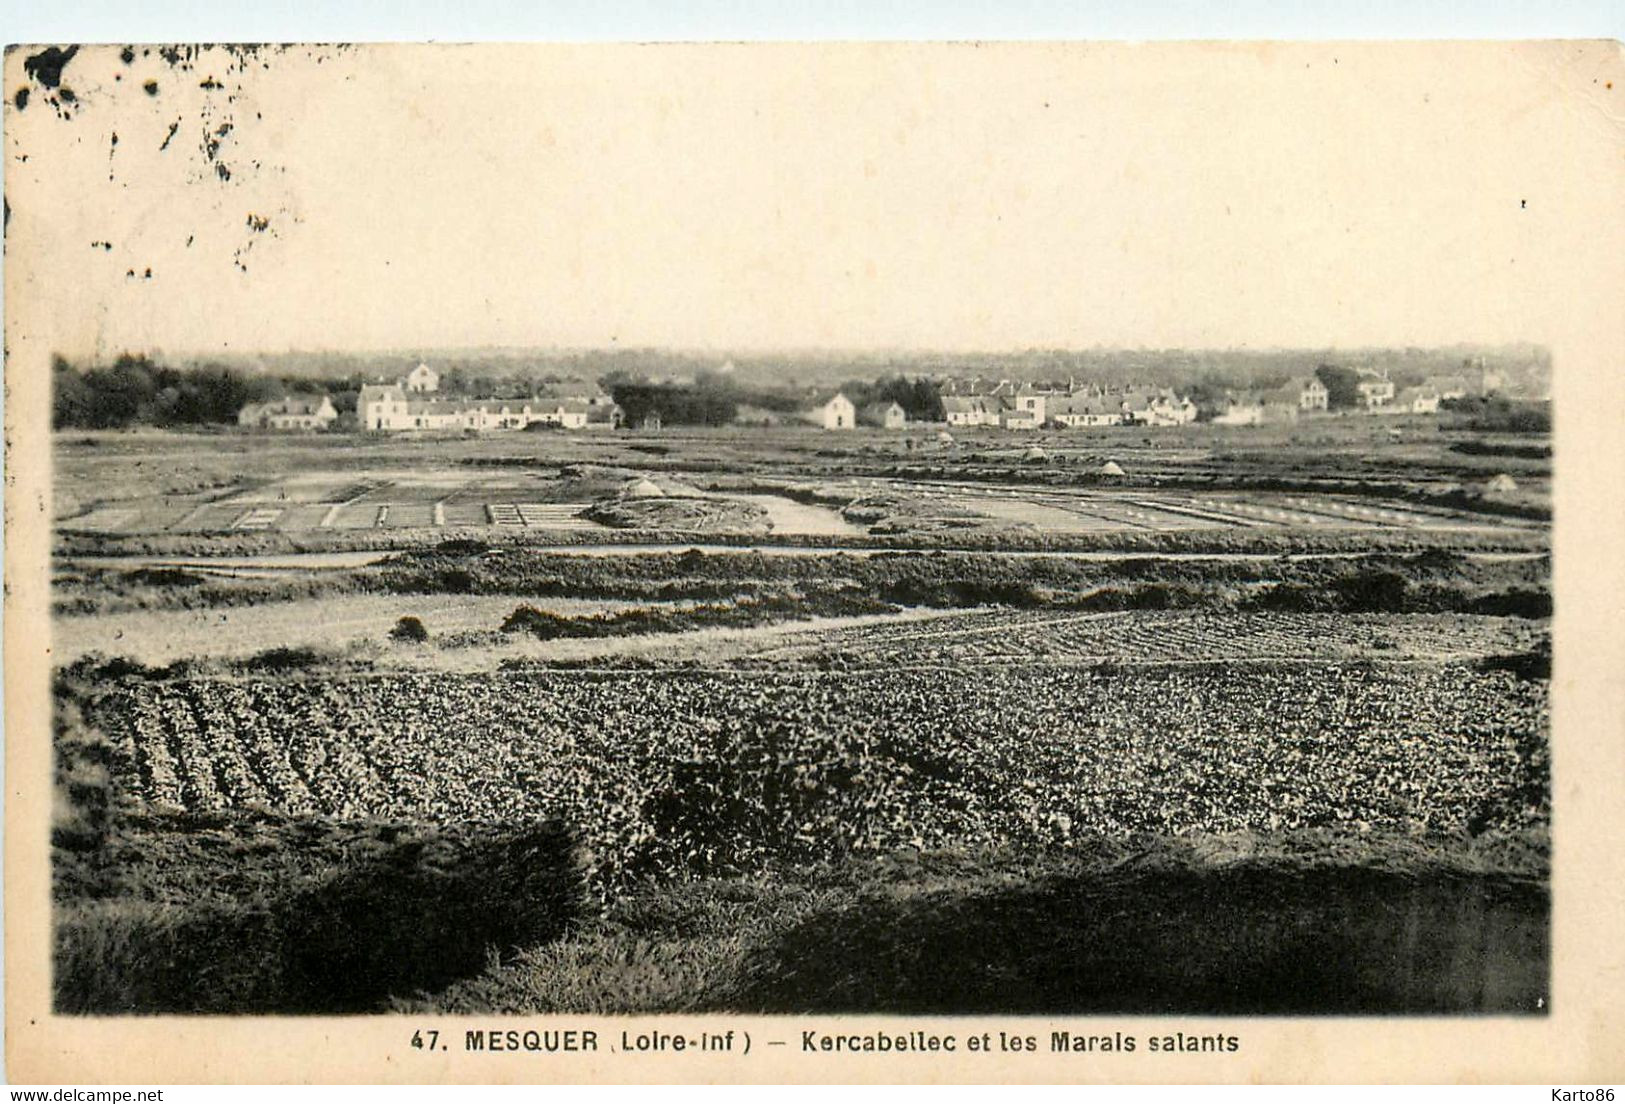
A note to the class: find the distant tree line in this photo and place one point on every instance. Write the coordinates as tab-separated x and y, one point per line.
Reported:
1497	414
674	404
919	398
133	390
714	399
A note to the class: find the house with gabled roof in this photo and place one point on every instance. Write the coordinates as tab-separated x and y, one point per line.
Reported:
1158	406
1415	400
421	379
883	415
967	411
830	410
294	412
1376	389
1246	408
1082	410
1307	393
1448	387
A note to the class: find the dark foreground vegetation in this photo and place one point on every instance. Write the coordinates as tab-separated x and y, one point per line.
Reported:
355	917
1294	923
375	910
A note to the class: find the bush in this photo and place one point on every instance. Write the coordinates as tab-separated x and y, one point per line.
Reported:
1516	602
283	659
543	626
1533	666
456	581
424	914
1497	448
1373	591
1290	598
409	629
162	577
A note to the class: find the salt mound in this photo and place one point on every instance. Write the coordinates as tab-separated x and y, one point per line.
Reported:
1501	484
945	437
1035	453
642	488
1110	468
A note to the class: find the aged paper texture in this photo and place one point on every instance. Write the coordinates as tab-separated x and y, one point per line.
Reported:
851	563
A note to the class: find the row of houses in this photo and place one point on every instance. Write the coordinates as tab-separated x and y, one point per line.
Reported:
1030	407
1008	405
298	412
833	410
387	408
413	402
1307	395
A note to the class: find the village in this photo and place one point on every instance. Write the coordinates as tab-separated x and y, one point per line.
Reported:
415	403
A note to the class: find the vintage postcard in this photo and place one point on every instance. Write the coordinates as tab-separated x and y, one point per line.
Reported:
937	562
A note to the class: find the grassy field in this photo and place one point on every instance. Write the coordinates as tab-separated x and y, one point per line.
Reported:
823	722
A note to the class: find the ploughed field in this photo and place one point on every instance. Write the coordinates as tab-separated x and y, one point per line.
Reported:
681	774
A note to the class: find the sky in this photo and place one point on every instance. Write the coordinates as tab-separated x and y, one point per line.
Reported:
752	197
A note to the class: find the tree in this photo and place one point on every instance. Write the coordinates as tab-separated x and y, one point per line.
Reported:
71	399
1342	386
1208	395
409	629
135	390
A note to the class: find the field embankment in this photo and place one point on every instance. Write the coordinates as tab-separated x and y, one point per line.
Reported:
1253	924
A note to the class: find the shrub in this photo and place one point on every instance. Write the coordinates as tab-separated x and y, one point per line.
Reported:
1290	598
1497	448
1373	591
456	581
283	659
425	913
409	629
543	626
1530	666
1516	602
162	577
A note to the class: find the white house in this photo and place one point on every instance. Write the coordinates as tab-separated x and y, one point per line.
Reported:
968	411
299	412
1033	402
388	409
1376	389
884	415
421	379
1241	410
1307	392
382	407
1016	417
1158	407
1077	411
831	411
1448	387
1415	400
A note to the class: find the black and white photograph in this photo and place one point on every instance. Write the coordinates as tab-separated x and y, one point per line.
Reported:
1040	532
